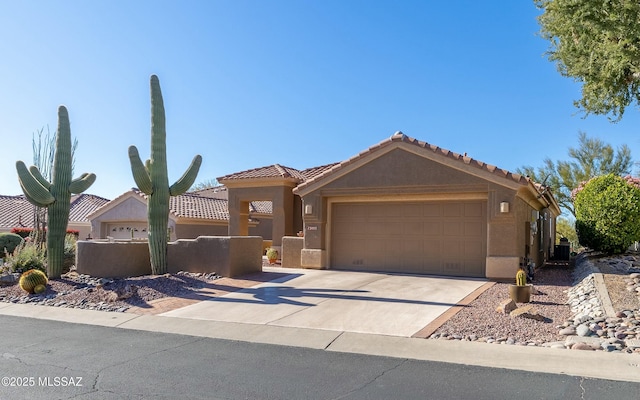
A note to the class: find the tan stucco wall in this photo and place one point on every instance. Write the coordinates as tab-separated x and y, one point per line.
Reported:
290	254
226	256
264	228
111	260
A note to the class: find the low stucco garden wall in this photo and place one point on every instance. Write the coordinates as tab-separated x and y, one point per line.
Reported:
227	256
291	249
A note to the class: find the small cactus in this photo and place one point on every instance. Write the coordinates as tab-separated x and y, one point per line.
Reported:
32	279
272	255
39	289
521	277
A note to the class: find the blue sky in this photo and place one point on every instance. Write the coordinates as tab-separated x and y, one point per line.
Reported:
299	83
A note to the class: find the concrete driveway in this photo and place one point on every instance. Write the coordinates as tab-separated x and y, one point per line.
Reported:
363	302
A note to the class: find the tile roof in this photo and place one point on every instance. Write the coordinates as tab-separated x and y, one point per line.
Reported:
401	137
191	205
217	192
261	207
311	173
84	204
270	171
199	205
16	211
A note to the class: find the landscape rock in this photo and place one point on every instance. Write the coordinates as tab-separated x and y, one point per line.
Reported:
506	306
582	346
583	330
8	279
570	330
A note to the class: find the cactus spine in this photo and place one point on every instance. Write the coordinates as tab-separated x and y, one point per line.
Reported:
521	278
152	179
55	195
32	279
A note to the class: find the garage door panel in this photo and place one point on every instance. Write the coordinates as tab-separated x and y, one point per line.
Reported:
452	210
432	210
473	209
473	228
419	237
412	210
453	228
432	228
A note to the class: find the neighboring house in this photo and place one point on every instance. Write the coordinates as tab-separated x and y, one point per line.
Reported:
403	205
193	214
17	212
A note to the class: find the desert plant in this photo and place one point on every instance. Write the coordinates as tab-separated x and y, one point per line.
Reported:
31	279
8	243
69	252
39	289
153	181
55	195
608	214
272	255
28	255
521	277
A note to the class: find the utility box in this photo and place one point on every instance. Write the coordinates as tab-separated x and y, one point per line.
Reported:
562	251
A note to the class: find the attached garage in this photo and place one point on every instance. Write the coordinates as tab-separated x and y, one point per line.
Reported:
430	237
407	206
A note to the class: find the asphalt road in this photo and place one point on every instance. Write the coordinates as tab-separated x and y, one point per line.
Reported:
43	359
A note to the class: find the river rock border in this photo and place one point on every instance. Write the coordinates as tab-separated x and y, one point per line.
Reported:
595	324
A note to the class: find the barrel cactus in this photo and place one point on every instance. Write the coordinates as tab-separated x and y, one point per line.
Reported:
39	289
31	280
521	277
55	195
152	180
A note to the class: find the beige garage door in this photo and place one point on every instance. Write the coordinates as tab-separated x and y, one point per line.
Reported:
443	238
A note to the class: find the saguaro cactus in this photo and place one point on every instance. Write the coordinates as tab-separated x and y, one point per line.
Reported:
152	180
55	195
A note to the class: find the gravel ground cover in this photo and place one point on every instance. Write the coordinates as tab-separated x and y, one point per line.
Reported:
82	291
480	320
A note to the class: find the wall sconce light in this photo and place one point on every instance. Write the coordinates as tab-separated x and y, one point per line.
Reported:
308	209
504	207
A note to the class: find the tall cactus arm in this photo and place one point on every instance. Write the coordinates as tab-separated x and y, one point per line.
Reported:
34	191
36	174
31	199
139	171
184	183
82	183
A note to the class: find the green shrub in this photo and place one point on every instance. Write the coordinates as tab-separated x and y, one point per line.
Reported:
8	243
608	214
69	252
26	256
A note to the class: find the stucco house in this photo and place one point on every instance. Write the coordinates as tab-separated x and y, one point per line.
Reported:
193	214
403	205
17	212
